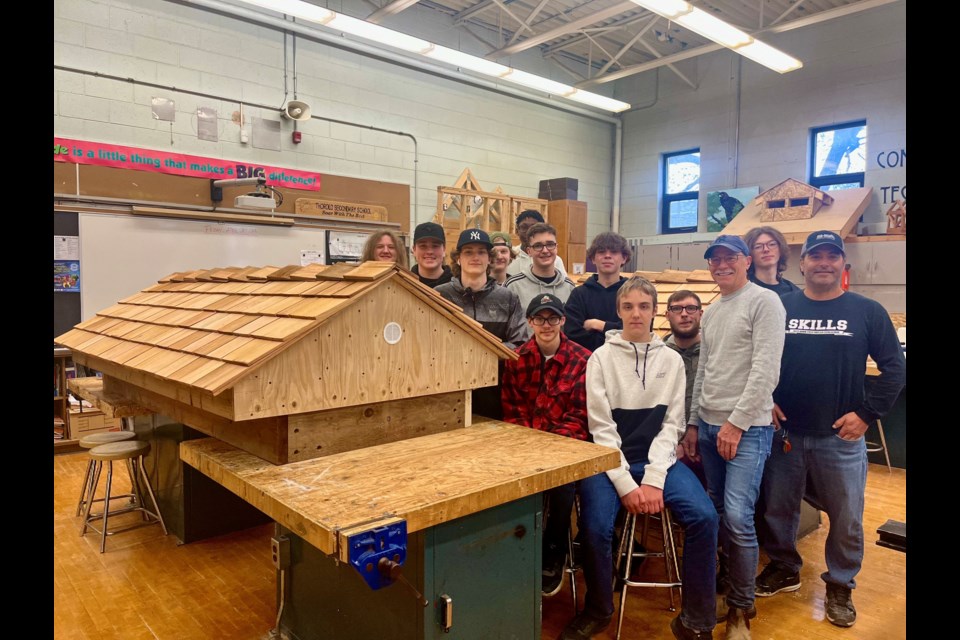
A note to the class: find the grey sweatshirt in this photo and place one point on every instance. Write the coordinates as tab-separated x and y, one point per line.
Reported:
741	341
635	405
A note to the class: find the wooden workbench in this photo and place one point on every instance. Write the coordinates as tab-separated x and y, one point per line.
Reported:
112	405
425	481
471	502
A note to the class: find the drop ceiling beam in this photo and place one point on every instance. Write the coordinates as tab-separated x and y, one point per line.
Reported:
468	13
390	9
626	47
572	27
533	14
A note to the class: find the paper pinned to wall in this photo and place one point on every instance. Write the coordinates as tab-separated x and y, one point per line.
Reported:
207	124
66	247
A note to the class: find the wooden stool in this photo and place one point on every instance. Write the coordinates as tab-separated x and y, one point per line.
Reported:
131	451
669	556
89	442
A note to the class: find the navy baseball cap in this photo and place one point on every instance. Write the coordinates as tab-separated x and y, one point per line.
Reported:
474	236
734	243
545	301
822	238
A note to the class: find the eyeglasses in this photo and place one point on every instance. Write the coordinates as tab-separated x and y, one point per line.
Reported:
715	261
540	246
770	246
551	320
678	308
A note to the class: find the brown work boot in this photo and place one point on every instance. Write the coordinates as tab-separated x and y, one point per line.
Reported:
738	625
723	609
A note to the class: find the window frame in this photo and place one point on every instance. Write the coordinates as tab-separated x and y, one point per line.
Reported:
840	178
666	199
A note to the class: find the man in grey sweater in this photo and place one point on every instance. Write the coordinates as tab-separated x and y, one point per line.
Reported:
741	343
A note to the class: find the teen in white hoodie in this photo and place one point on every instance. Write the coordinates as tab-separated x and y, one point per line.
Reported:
635	403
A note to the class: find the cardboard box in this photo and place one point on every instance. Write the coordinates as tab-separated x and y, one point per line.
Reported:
87	422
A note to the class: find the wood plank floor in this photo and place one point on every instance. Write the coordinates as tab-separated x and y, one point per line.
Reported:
147	586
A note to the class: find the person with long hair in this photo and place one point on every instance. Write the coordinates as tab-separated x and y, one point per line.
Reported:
385	246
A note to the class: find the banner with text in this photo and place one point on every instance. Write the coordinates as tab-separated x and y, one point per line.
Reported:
121	157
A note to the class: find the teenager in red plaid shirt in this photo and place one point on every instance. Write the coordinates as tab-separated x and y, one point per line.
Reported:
545	389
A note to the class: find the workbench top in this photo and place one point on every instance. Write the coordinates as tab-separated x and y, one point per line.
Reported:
424	481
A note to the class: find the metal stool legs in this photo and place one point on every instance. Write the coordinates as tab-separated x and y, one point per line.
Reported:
669	554
873	447
138	480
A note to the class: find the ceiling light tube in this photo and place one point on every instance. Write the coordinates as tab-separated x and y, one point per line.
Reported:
598	101
376	33
667	8
713	28
721	32
382	35
539	82
764	54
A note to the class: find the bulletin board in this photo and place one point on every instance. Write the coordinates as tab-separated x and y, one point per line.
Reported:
123	254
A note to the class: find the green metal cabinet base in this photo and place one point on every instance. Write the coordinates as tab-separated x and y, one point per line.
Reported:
487	563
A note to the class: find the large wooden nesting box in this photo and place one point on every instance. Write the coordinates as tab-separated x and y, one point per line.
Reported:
791	200
293	363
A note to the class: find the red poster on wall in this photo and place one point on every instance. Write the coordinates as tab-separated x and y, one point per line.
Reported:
121	157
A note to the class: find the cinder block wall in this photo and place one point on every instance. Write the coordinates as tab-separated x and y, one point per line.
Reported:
505	140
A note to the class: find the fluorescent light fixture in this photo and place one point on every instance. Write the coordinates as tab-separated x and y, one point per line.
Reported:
764	54
382	35
721	32
714	29
376	33
538	82
667	8
467	61
598	101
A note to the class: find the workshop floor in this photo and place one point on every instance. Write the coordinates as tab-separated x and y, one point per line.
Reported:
147	586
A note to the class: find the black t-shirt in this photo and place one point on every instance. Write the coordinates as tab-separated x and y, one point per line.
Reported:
546	279
824	360
782	288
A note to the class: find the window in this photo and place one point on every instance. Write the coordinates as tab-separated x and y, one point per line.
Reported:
680	189
838	155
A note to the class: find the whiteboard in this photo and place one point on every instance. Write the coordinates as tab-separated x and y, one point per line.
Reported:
122	254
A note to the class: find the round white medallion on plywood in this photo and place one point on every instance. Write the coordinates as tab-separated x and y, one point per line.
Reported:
392	333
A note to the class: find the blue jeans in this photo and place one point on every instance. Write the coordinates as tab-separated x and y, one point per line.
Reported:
683	493
837	471
733	486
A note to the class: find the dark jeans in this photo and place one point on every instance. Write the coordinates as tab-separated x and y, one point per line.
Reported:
684	495
557	525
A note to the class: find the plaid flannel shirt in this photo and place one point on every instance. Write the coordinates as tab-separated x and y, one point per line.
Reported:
549	396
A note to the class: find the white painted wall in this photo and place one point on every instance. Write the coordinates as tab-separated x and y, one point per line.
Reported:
854	68
506	141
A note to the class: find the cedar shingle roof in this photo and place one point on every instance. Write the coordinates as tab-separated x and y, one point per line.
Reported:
210	328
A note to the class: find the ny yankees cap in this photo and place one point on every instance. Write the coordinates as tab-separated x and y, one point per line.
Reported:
474	236
821	238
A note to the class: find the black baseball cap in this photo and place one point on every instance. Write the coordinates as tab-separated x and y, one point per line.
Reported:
429	230
545	301
474	236
822	238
